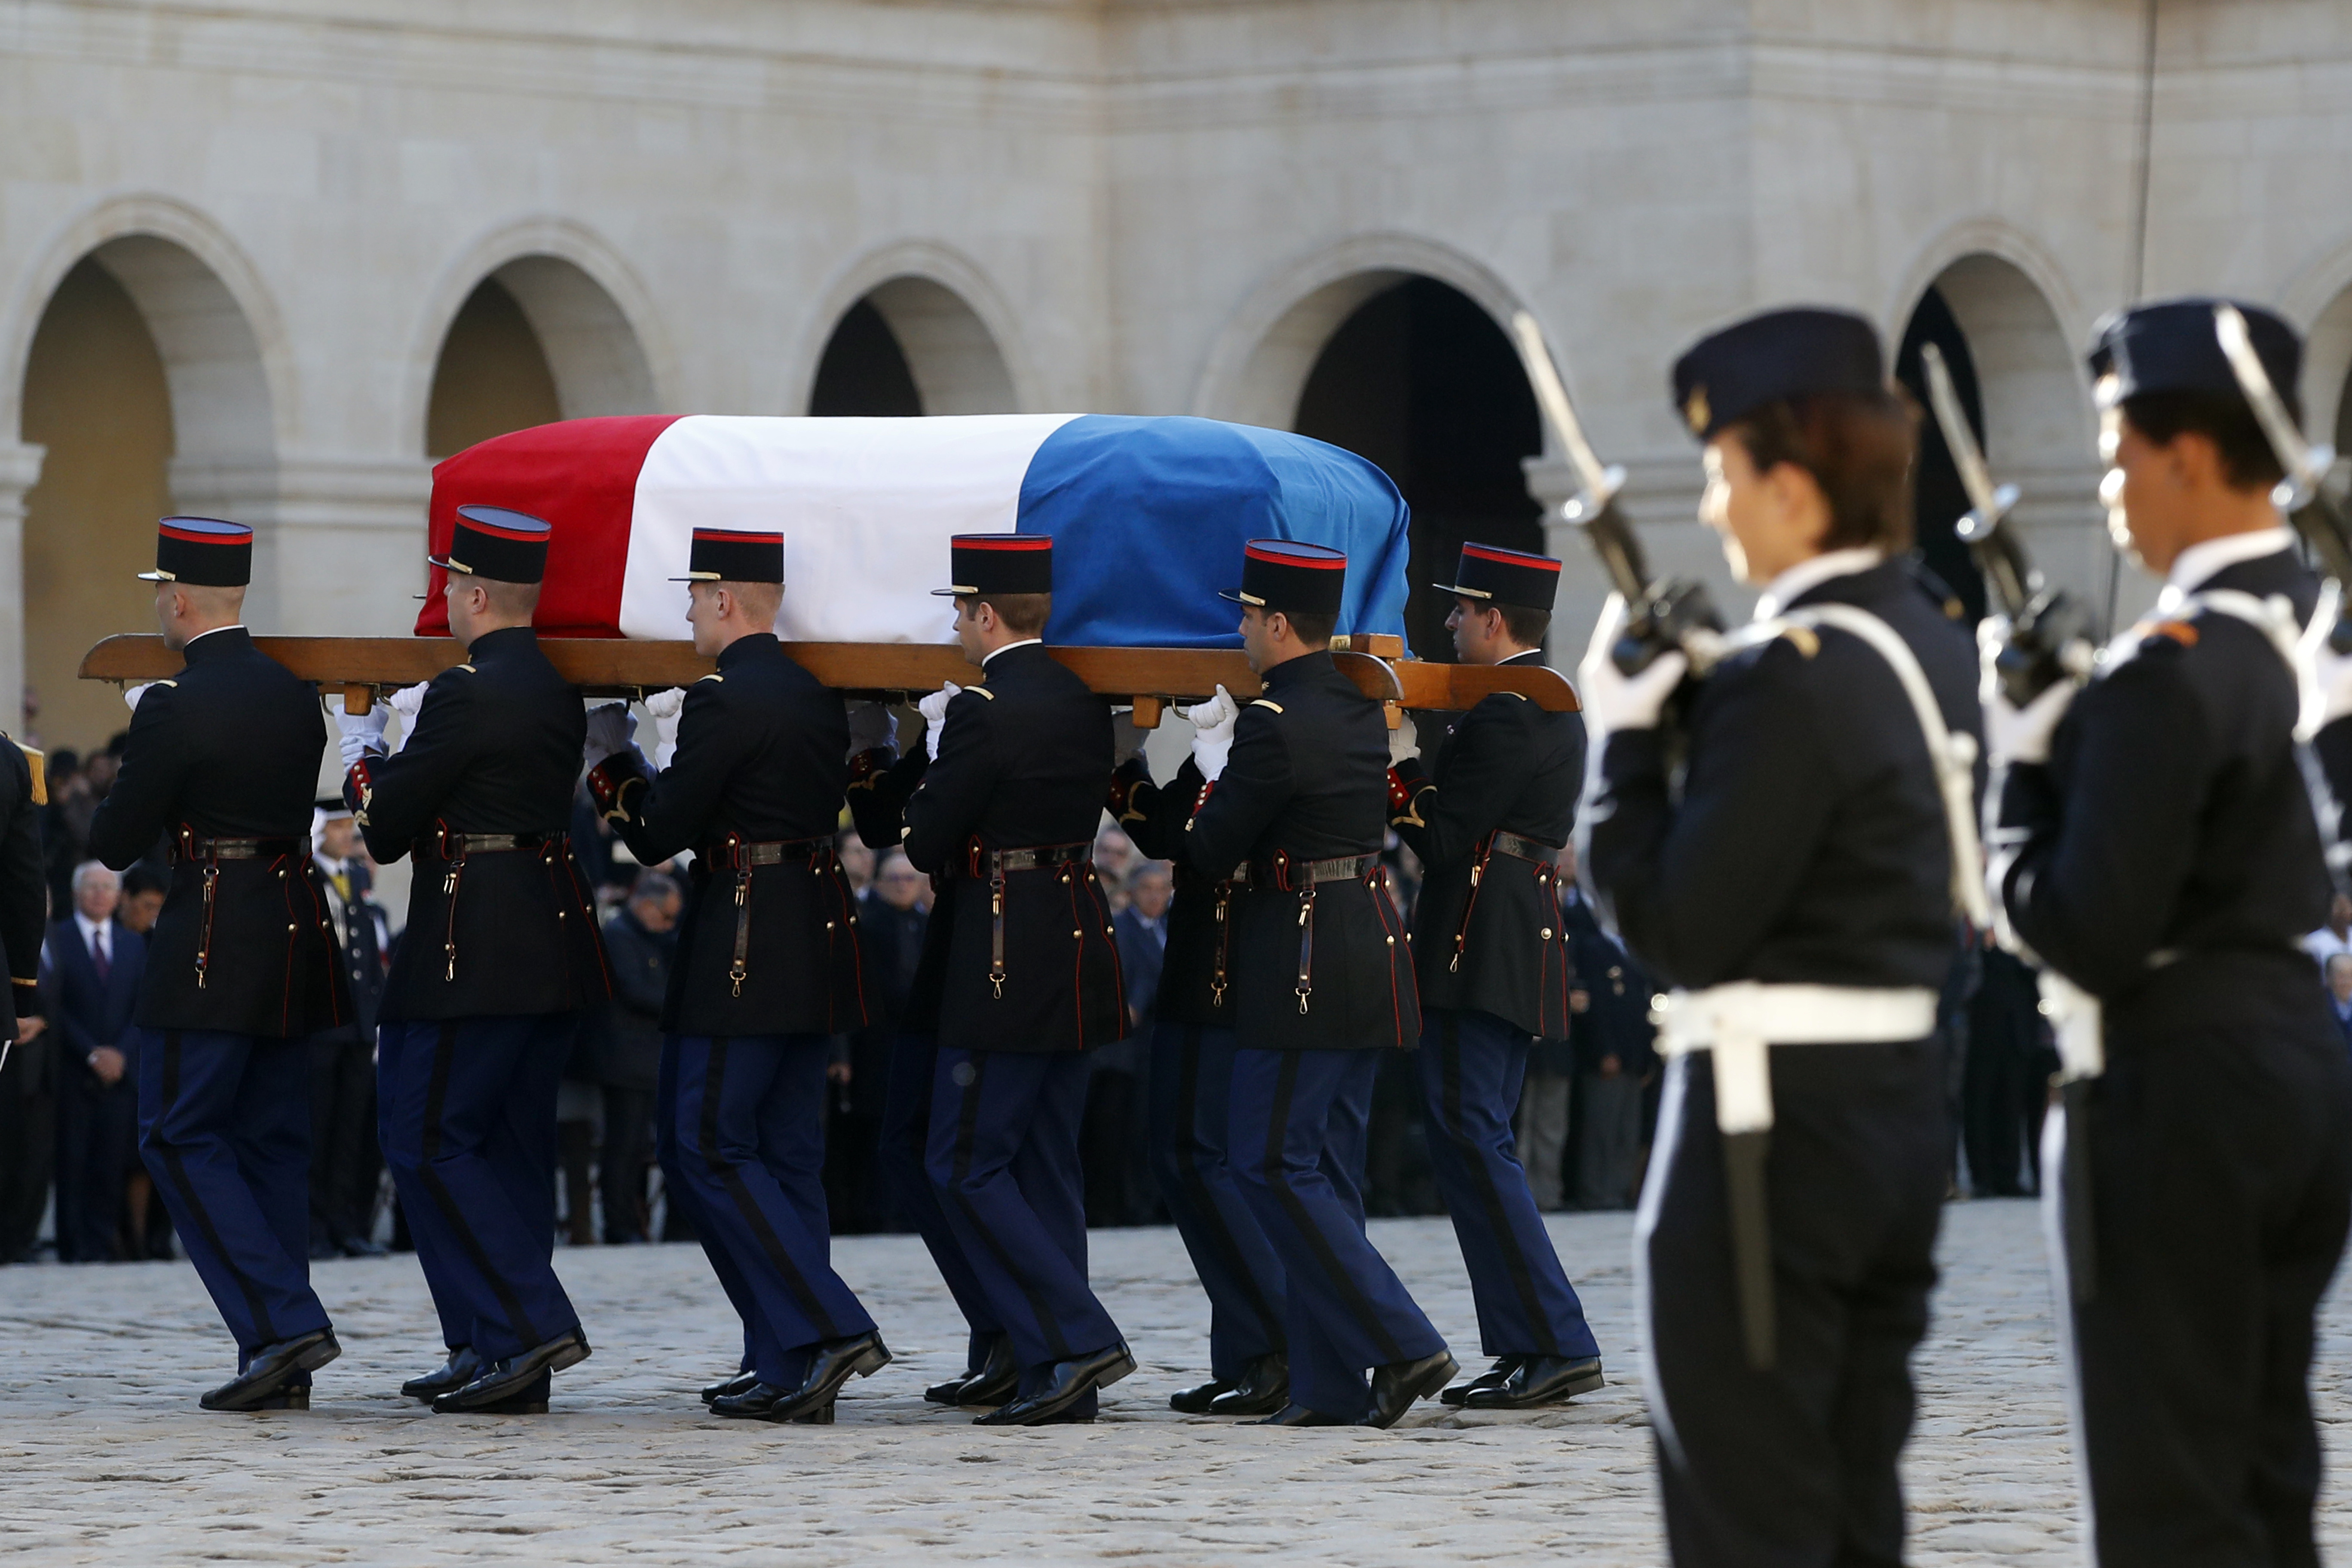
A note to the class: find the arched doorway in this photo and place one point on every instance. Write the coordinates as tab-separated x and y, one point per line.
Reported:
1416	376
912	346
2327	375
537	340
144	384
2024	387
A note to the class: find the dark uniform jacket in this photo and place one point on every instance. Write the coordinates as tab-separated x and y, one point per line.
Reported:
1486	933
490	932
761	759
2202	844
1307	781
1024	757
24	905
1196	966
1810	842
228	750
1616	1017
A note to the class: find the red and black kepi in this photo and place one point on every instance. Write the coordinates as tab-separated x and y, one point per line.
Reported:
730	555
1490	574
1289	575
1000	563
202	552
494	543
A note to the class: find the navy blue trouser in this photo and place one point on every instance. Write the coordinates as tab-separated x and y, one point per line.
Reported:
98	1128
680	1196
1191	1089
1003	1155
744	1133
1471	1065
907	1180
225	1129
1297	1136
469	1134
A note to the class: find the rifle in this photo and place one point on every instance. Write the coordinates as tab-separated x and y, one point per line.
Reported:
2049	637
1660	613
2302	495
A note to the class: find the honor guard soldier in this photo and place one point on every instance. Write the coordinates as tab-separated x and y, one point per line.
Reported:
500	955
767	969
1797	892
2159	851
242	966
1322	981
1488	818
1001	808
1192	1073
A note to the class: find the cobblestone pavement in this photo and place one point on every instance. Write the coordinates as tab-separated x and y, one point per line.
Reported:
105	1458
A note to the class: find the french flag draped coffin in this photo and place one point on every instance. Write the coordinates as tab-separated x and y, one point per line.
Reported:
1148	515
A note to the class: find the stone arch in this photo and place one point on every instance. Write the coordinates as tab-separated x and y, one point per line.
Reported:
1259	363
150	289
594	318
2322	296
954	327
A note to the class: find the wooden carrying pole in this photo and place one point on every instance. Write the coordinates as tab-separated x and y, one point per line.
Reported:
1151	678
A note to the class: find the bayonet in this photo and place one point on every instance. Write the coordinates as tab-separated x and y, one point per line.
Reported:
2049	637
2304	494
1660	613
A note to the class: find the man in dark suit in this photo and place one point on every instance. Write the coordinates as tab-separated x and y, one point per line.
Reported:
1114	1141
499	955
90	973
1295	786
27	1078
768	970
1001	807
891	914
1488	816
242	965
344	1159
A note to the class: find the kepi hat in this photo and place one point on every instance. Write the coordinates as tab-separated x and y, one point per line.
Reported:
1291	576
1727	376
1494	576
2171	346
999	563
725	555
493	542
202	552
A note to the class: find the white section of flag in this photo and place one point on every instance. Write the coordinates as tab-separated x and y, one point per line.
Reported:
866	507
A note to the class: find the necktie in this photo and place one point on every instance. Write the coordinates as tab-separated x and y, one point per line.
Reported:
98	953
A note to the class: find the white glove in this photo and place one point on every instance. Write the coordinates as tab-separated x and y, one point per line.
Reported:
405	702
2011	734
872	727
1127	737
666	706
934	709
362	732
1404	741
1614	700
611	728
132	694
1212	722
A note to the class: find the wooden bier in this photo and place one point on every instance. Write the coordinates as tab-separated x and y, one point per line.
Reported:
1151	678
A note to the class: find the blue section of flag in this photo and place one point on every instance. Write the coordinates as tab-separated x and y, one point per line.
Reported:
1149	517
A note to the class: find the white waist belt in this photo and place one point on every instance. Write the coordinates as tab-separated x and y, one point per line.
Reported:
1738	1020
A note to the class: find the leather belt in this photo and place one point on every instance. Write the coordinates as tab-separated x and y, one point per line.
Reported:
1002	863
454	847
1239	881
742	856
186	846
1301	877
1533	850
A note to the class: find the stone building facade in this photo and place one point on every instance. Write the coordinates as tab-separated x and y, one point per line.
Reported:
265	259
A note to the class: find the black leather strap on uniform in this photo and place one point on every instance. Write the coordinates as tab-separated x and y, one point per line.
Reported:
447	846
742	856
1519	848
186	846
1002	863
1498	842
1290	876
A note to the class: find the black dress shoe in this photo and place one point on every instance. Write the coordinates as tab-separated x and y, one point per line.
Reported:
1541	1380
755	1400
1491	1378
1070	1381
510	1378
1396	1385
832	1363
272	1369
820	1416
1197	1399
462	1367
996	1382
528	1398
288	1399
741	1382
1299	1415
1263	1389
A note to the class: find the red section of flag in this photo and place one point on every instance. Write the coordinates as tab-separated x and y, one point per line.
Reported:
581	475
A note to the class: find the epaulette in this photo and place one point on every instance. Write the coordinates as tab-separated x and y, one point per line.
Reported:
1804	640
1265	702
978	690
714	675
469	669
172	683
